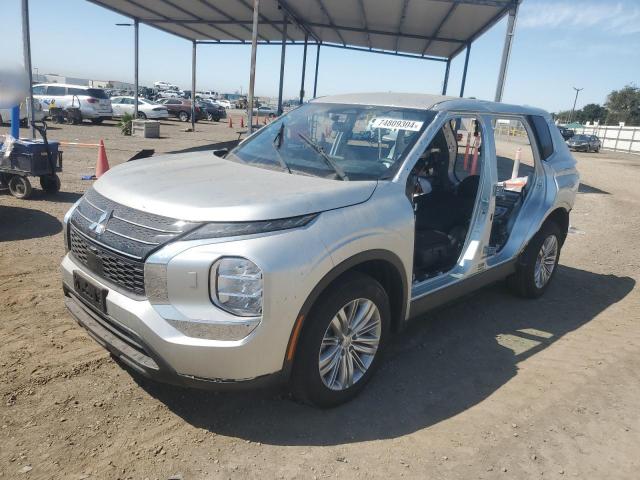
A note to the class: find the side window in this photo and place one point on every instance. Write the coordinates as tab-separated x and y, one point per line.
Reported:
76	91
56	91
514	153
39	90
543	136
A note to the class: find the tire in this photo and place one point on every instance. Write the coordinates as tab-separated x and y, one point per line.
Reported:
20	187
209	117
142	116
530	279
354	292
183	116
50	183
96	121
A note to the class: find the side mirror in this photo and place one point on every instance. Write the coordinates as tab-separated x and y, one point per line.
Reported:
221	152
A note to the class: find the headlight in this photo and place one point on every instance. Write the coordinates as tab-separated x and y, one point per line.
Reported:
236	286
232	229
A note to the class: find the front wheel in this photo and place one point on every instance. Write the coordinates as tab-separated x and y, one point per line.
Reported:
341	342
20	187
142	116
97	121
538	263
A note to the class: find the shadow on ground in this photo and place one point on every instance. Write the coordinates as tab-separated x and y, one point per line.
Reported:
18	223
440	366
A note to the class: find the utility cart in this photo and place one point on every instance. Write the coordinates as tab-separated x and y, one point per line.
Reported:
30	158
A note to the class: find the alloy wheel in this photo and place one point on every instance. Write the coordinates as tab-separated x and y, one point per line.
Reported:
350	344
546	261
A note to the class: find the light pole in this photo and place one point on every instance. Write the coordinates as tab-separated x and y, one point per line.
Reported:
135	26
574	103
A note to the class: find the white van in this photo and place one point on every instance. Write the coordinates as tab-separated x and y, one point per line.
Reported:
38	114
94	103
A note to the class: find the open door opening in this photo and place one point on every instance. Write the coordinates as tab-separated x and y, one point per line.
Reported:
443	188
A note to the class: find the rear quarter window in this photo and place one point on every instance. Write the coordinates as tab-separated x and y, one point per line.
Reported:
76	91
54	90
542	135
96	93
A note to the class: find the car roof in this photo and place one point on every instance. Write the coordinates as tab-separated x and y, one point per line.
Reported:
66	85
423	101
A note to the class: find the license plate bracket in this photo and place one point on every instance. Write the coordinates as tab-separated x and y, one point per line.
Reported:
90	292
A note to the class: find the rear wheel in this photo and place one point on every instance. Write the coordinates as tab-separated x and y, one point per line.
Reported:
183	116
97	121
50	183
142	116
342	341
537	264
20	187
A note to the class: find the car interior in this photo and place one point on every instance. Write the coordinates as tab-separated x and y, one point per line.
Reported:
443	187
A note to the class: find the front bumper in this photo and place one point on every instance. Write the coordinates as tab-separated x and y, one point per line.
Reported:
134	331
578	148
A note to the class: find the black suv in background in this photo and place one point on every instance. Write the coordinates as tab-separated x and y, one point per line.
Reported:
212	111
566	132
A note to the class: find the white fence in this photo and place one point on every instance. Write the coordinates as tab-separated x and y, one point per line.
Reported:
618	139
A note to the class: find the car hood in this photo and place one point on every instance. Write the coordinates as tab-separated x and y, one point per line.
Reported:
202	187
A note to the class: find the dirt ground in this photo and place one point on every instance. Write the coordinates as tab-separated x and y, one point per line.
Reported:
490	387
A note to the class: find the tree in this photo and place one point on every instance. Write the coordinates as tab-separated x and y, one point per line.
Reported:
624	105
592	112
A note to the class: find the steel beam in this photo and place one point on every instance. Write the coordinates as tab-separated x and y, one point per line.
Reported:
446	78
331	22
295	17
193	86
403	14
261	17
464	72
506	52
304	68
26	50
315	80
363	13
153	12
136	26
219	11
282	58
440	25
252	73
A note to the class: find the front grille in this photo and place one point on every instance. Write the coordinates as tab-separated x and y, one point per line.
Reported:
113	240
124	272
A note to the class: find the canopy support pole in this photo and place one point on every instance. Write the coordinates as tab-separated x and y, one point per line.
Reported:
506	51
26	46
315	81
446	78
193	86
136	26
304	68
464	72
252	74
282	58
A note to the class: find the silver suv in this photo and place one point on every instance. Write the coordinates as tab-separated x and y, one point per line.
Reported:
293	257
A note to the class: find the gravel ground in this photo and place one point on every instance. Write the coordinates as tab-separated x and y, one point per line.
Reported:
490	387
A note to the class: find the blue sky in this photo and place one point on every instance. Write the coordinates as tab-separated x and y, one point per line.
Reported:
558	44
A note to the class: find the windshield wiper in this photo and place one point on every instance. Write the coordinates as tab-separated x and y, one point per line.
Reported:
318	149
277	143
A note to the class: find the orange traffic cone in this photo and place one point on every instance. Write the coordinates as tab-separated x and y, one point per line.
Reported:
230	122
102	164
241	122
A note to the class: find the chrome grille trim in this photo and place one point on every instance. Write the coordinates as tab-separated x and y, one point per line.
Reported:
128	237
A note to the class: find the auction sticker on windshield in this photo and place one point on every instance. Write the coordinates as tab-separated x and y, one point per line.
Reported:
396	124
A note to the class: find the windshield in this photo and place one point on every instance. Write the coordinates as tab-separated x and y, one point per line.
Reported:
583	138
346	142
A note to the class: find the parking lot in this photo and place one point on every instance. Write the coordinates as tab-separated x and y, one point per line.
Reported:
490	387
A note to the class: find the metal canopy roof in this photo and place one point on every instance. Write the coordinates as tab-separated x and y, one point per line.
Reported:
422	28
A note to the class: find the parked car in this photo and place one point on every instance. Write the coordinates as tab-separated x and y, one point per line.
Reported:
38	113
146	108
224	103
168	94
266	111
584	143
181	109
94	103
207	95
293	257
566	133
212	111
